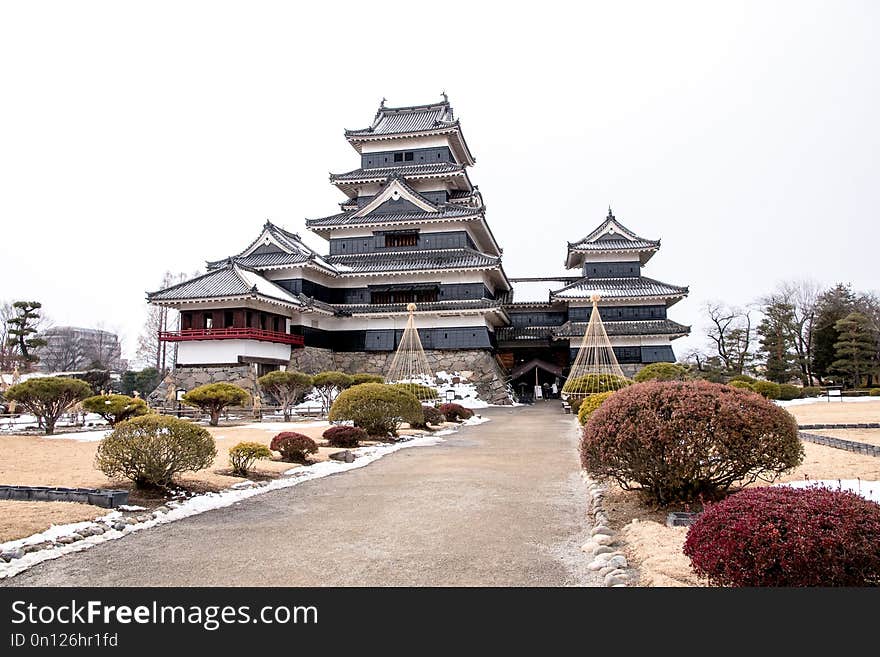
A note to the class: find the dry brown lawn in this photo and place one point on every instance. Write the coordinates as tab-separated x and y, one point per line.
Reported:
58	461
835	412
20	519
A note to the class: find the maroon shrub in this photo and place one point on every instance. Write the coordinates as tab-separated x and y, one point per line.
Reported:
681	441
782	536
455	412
341	435
294	447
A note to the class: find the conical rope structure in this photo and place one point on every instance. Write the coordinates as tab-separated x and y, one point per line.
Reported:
409	367
595	367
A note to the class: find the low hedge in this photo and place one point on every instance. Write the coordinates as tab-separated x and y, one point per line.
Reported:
781	536
293	447
455	412
342	435
243	456
767	389
150	450
681	441
589	405
377	408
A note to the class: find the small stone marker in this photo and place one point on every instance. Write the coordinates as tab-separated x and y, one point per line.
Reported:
681	519
345	456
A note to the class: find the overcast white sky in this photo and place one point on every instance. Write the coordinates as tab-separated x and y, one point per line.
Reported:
137	138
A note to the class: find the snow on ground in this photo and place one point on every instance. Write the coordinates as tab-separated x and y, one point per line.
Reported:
823	399
870	490
463	393
209	501
81	436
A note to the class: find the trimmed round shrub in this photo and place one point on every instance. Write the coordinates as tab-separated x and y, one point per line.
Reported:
589	405
767	389
781	536
115	408
787	392
214	398
362	377
342	435
433	415
293	447
575	403
742	377
48	397
875	392
682	441
742	385
377	408
150	450
592	383
243	456
661	372
421	392
455	412
808	392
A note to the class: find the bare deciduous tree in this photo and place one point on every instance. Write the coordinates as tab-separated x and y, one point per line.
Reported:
731	333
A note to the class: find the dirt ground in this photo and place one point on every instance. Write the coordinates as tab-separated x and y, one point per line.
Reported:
58	461
20	519
656	550
836	412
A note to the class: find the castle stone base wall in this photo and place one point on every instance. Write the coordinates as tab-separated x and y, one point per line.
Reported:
189	377
312	360
487	376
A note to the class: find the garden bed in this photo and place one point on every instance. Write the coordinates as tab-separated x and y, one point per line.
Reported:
655	550
68	460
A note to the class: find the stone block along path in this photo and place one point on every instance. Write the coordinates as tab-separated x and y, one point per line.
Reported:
497	504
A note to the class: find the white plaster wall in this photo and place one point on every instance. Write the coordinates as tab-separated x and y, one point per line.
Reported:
400	143
359	323
206	352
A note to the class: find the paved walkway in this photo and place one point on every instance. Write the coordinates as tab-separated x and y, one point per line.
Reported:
500	503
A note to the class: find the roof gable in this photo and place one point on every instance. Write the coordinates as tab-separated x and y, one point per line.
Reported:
393	192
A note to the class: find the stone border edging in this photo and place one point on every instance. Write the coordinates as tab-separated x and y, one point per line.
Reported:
611	564
860	425
840	443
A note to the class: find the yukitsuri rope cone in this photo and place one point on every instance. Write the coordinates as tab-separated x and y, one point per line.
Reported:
595	368
409	367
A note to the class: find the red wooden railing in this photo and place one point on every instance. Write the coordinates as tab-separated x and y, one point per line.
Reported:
231	334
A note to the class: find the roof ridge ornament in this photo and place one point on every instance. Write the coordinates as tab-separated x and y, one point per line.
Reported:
610	213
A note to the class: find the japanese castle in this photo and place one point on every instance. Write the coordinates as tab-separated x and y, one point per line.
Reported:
411	229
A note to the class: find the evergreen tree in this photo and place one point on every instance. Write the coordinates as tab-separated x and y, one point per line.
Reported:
22	330
856	347
834	305
777	342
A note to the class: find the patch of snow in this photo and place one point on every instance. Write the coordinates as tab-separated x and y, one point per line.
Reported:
56	531
870	490
81	436
131	507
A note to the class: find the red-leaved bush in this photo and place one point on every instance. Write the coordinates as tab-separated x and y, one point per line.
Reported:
341	435
294	447
681	441
455	412
782	536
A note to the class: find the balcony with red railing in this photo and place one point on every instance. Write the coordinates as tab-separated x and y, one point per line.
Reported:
262	335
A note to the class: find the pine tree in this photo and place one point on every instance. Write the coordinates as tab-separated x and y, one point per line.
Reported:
856	347
834	305
22	332
780	361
